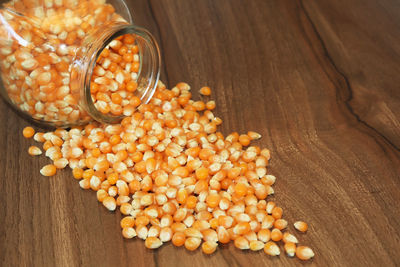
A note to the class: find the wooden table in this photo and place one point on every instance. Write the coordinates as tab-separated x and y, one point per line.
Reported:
320	80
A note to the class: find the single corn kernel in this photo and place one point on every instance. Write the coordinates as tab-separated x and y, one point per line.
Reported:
266	153
209	247
153	242
277	212
166	234
202	173
244	140
253	135
48	170
223	235
276	235
241	243
290	249
154	231
178	239
127	221
205	91
280	224
241	189
61	163
77	173
241	228
304	253
272	249
270	206
128	232
142	231
193	232
126	208
301	226
38	137
192	243
34	151
256	245
289	238
210	235
210	105
264	235
101	195
28	132
110	203
251	236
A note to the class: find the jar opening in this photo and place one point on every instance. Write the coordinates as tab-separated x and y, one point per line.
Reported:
141	62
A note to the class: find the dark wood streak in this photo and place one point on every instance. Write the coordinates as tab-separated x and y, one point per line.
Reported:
345	91
365	56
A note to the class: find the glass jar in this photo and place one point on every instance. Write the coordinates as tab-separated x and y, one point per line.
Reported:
66	62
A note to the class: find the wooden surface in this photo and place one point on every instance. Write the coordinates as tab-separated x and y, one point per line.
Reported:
319	79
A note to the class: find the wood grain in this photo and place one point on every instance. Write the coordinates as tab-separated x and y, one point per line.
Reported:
319	79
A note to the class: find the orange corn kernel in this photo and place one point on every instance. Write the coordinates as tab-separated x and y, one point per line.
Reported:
77	173
153	242
127	221
290	249
192	243
34	151
241	189
244	140
48	170
210	105
264	235
277	212
280	224
272	249
209	247
205	91
301	226
28	132
202	173
276	235
110	203
256	245
241	243
178	239
289	238
304	253
128	232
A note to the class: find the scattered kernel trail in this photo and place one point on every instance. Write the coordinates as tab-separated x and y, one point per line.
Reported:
175	177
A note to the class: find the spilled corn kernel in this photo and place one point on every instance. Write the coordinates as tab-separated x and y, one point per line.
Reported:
304	253
301	226
175	178
272	249
205	91
48	170
28	132
34	151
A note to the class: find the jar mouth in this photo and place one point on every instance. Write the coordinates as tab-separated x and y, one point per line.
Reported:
147	75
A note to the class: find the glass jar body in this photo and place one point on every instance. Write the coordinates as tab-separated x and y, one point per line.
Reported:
52	56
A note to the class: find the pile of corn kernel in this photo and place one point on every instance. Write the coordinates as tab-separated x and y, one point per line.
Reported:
175	177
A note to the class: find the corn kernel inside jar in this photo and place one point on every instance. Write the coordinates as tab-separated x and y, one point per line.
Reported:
40	42
114	81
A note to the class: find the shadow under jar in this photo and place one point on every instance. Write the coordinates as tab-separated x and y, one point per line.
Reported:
67	62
